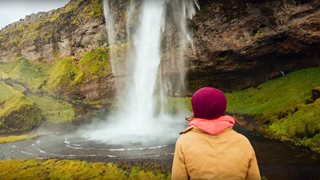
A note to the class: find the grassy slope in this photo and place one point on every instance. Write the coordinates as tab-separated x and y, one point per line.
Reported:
55	111
14	106
42	30
11	100
6	92
70	169
33	74
65	75
275	95
282	102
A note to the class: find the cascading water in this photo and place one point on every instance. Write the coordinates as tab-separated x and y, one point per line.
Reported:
148	68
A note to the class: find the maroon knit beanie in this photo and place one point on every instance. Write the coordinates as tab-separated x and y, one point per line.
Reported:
208	103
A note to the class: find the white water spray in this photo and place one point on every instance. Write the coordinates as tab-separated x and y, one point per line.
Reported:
150	33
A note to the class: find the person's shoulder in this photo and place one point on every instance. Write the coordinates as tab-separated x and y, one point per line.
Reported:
186	135
241	140
186	130
239	137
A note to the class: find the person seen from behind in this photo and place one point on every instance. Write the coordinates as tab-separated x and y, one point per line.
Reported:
209	148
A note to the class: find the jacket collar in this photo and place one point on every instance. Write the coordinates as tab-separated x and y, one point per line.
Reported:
213	126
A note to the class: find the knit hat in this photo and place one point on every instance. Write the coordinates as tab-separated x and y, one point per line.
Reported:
208	103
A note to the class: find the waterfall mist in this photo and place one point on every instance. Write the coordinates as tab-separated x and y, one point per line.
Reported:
147	40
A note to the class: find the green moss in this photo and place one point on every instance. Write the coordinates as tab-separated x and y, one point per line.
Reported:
276	95
95	8
11	100
70	169
302	126
14	104
137	173
6	92
6	139
313	143
282	103
95	63
64	75
67	73
41	31
19	114
256	33
32	73
53	110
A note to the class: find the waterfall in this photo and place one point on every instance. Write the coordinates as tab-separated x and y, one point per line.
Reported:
147	40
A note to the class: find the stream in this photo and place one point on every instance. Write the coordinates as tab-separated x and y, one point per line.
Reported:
277	160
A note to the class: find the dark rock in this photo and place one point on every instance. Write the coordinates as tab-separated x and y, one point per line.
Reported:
241	43
315	93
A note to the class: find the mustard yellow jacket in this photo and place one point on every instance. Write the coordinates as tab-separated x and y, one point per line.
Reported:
226	156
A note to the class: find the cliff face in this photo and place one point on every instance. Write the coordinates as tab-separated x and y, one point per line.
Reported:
241	43
238	43
76	31
67	31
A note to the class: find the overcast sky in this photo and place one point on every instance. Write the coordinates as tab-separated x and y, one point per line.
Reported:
13	10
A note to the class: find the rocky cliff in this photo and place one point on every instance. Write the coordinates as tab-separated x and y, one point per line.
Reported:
238	43
66	31
241	43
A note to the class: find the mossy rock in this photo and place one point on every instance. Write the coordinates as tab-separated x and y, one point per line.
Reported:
19	114
283	107
64	76
67	75
95	63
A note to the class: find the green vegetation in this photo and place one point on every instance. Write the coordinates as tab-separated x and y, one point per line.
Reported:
36	80
67	73
95	63
26	72
281	106
42	32
276	95
7	139
71	169
256	33
53	110
6	93
64	75
17	112
175	104
95	9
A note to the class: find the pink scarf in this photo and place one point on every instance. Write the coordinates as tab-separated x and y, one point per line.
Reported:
213	126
